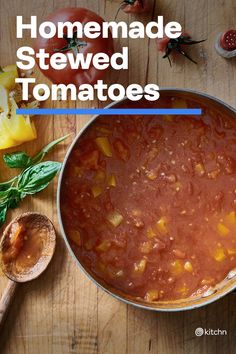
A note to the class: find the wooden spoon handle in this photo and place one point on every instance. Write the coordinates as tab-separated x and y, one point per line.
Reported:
6	300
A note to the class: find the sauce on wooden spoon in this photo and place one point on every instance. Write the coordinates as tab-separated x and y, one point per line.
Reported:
26	248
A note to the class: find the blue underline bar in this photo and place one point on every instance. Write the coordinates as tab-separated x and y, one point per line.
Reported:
109	111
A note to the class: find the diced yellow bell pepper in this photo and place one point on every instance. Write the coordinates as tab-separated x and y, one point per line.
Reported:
179	103
141	266
103	246
75	237
231	218
183	290
100	176
188	266
151	233
219	254
96	190
8	76
112	181
152	295
199	168
222	229
104	146
168	118
176	267
161	225
115	218
152	175
104	130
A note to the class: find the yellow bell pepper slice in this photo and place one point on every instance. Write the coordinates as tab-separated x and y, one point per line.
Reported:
14	129
4	101
7	77
20	127
5	140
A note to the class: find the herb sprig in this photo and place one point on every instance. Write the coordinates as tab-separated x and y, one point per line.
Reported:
34	177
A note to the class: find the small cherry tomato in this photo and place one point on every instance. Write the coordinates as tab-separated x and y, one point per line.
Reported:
228	40
135	6
176	45
162	44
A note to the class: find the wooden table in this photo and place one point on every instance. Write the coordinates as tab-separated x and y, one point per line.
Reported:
64	312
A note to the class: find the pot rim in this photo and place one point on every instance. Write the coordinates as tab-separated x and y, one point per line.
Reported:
135	302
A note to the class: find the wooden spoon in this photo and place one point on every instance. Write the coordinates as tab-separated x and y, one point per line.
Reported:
40	234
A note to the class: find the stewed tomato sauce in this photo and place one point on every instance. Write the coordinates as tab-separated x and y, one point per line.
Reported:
149	202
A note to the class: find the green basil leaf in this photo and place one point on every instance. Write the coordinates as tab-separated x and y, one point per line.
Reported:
17	160
4	186
14	198
35	178
41	154
3	214
4	196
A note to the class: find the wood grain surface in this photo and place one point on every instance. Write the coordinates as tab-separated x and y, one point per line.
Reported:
63	312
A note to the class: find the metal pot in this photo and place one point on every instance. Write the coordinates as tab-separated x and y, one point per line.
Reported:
213	293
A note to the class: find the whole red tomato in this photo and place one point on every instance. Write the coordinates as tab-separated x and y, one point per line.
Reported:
83	45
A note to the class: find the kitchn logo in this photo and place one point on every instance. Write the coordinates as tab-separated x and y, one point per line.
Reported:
210	332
